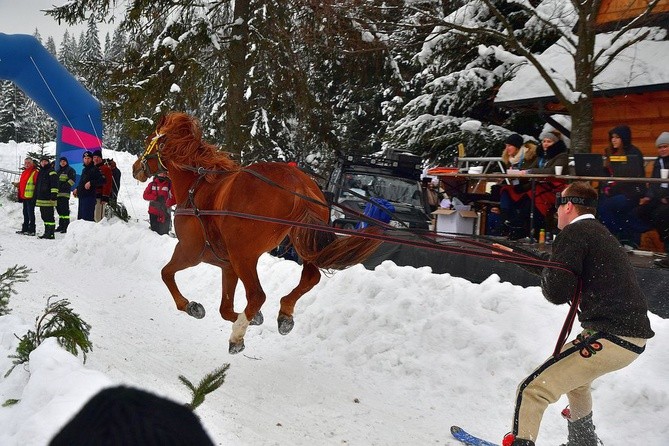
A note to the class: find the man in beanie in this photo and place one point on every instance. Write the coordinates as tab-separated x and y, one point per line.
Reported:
654	208
103	191
66	178
85	191
46	192
123	416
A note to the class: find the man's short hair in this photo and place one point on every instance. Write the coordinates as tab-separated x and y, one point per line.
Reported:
583	189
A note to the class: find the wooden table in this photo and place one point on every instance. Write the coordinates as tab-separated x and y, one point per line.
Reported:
543	177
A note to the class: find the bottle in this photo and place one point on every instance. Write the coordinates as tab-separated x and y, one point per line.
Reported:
542	236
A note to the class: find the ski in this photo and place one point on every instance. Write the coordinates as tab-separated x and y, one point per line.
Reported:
468	439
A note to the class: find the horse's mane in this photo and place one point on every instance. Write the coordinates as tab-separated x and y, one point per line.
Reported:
184	145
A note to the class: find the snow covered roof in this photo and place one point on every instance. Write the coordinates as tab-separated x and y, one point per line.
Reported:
641	66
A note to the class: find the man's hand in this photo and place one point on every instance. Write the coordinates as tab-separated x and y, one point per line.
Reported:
74	192
87	185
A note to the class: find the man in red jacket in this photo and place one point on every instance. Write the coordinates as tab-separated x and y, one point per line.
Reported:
103	191
159	194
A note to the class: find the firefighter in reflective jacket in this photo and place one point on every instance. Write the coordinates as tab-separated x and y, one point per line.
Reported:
66	178
26	195
46	191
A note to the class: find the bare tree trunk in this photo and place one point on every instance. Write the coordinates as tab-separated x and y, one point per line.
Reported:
236	125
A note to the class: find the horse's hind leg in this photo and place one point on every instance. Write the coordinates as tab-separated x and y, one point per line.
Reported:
309	278
255	298
177	263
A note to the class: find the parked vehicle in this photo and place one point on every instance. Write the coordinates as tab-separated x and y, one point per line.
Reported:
356	179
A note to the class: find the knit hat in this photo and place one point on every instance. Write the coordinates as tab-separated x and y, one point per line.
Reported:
64	158
44	158
132	417
662	139
87	153
548	135
515	140
97	153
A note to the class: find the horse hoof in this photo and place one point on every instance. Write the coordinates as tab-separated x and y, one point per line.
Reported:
258	319
195	309
286	324
233	348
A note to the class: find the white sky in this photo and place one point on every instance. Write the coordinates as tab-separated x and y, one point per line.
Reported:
387	357
23	16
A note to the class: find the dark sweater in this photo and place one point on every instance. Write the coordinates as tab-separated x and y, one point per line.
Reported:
611	299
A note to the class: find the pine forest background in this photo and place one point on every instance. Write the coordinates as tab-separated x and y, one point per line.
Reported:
303	80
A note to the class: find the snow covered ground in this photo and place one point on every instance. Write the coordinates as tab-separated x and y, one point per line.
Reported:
386	357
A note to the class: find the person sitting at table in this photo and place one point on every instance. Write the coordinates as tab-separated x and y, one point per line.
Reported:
514	201
618	200
553	153
654	207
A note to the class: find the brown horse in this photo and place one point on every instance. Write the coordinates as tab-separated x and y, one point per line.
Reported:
263	198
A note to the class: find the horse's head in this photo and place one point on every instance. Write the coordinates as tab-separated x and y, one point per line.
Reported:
150	162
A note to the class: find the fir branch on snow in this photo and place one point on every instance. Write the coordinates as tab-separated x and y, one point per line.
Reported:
60	322
8	280
208	384
10	402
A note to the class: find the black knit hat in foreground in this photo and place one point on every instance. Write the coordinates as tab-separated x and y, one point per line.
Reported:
515	140
123	416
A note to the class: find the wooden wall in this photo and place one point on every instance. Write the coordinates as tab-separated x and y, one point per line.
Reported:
646	114
620	10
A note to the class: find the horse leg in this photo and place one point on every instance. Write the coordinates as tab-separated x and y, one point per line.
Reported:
230	278
177	263
255	298
227	309
311	275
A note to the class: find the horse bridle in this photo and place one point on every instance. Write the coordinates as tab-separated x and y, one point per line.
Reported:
147	155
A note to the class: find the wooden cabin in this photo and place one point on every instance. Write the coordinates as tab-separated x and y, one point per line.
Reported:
641	103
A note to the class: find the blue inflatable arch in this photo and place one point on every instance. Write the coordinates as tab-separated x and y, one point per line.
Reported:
24	61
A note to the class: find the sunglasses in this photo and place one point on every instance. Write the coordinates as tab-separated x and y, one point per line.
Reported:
560	200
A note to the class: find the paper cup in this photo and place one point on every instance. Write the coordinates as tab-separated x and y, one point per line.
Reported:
558	170
664	173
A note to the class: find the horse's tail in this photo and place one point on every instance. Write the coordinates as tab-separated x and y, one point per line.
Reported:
325	250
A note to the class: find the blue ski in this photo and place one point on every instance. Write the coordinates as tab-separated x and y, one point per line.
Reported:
463	436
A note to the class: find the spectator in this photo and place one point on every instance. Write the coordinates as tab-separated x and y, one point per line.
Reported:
654	207
553	153
66	178
46	192
614	320
514	201
85	191
103	191
116	180
618	200
123	416
26	195
159	194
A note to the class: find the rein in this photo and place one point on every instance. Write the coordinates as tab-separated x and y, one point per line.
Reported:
424	242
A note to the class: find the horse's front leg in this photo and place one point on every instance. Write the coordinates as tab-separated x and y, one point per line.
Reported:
309	279
177	263
229	285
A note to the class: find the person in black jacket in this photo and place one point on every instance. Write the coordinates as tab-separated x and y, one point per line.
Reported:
66	178
90	179
614	320
46	191
618	200
654	207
